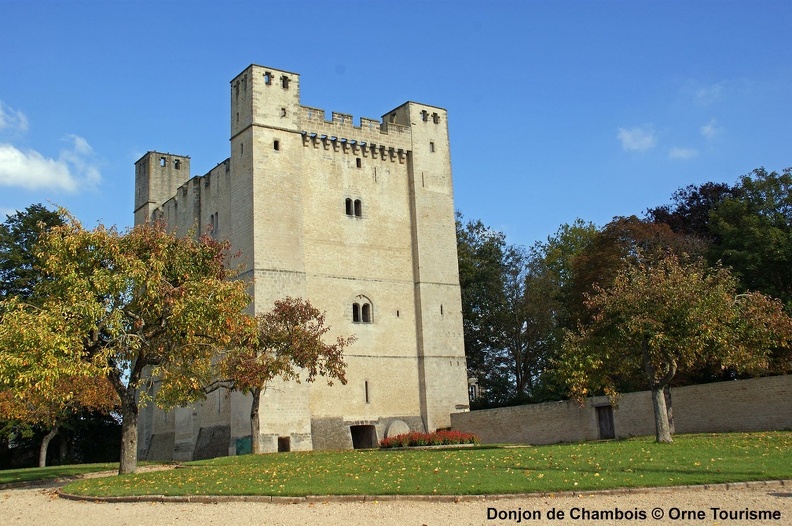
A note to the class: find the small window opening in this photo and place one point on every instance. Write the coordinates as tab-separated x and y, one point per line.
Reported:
349	209
284	444
431	146
397	314
177	164
283	112
435	118
276	145
366	389
267	78
241	148
393	117
358	208
358	162
441	309
366	313
163	162
285	82
356	312
425	115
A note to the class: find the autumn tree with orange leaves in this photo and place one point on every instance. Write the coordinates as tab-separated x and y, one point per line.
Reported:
286	342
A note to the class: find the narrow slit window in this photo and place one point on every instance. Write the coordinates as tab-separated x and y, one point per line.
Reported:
276	145
358	162
431	146
349	209
356	312
358	208
366	390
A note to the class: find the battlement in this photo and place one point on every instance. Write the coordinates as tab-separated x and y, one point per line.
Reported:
340	131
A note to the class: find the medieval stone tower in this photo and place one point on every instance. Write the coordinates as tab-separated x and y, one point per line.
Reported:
358	219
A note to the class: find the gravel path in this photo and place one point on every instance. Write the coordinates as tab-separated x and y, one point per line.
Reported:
41	505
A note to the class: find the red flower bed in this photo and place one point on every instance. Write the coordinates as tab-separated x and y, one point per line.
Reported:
438	438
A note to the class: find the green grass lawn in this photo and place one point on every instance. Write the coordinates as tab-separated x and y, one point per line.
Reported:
52	472
640	462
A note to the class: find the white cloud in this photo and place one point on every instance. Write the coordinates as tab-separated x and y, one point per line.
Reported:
637	139
682	153
710	94
74	168
11	119
711	129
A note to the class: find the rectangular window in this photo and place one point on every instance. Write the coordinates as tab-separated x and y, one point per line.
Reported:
431	147
276	145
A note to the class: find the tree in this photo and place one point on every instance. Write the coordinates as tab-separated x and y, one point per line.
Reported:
668	315
754	232
116	306
480	252
620	243
689	214
18	262
52	410
513	305
285	342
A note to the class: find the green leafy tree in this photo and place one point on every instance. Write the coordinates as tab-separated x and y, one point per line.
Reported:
753	228
115	306
481	252
285	342
667	315
18	262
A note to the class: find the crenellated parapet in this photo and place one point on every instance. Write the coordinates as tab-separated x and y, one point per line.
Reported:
370	138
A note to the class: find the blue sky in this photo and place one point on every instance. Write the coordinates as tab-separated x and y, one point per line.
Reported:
557	109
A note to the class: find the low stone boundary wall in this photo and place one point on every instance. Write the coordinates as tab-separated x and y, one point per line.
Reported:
758	404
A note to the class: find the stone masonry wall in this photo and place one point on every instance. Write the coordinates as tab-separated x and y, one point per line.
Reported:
757	404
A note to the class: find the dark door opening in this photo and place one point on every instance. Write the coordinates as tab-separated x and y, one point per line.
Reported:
364	437
284	444
605	419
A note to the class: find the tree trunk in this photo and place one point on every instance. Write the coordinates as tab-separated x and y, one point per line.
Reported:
129	430
662	430
45	445
255	423
670	408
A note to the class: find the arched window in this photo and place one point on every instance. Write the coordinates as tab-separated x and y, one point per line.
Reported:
358	208
362	310
349	210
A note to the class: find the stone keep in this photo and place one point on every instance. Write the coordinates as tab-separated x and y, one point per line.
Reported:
359	220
